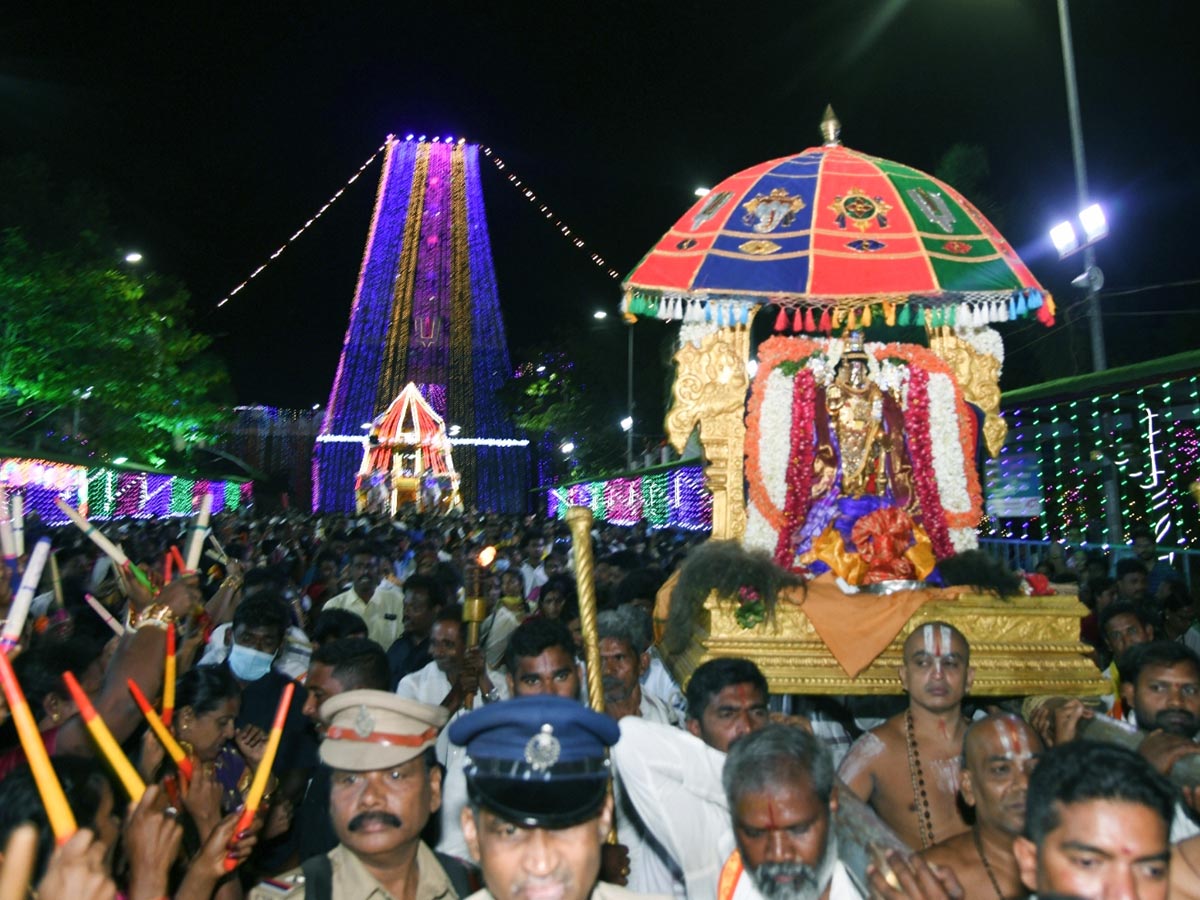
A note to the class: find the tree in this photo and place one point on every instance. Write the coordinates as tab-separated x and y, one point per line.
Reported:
103	352
550	402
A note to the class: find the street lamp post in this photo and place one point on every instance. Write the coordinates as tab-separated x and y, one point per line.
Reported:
1095	326
629	396
1092	277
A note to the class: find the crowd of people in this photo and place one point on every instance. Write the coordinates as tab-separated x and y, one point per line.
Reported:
432	753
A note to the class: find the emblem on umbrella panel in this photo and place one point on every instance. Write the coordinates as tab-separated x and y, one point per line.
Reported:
934	207
711	207
866	245
766	212
860	209
759	248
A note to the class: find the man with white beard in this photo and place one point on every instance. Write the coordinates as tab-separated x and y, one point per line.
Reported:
780	786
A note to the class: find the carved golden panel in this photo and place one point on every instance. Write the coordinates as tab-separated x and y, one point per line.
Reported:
978	374
710	392
1019	646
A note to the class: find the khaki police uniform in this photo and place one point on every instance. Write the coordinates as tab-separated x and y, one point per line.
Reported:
352	881
368	731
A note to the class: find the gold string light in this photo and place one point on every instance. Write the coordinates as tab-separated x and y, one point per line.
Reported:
500	164
548	213
303	228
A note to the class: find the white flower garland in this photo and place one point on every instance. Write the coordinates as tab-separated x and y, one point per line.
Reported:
774	445
983	339
948	462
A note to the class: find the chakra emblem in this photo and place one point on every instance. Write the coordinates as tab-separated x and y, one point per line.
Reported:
759	248
364	723
958	248
866	245
860	209
712	206
685	244
543	749
766	212
934	207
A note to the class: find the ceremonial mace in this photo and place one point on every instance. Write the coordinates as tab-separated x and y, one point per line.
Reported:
579	520
475	607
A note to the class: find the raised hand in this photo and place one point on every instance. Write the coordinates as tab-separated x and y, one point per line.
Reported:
152	838
77	870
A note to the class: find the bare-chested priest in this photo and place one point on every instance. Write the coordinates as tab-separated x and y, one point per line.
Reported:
999	752
907	769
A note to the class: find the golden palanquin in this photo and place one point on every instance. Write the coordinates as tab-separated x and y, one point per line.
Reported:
1020	645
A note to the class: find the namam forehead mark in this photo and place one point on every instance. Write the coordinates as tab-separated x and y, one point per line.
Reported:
937	640
1005	737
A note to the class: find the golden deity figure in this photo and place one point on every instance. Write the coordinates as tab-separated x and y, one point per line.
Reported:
855	406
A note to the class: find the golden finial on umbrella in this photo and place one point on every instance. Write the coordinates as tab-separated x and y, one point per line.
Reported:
831	128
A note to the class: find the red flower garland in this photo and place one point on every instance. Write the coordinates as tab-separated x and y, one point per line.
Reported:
920	451
800	466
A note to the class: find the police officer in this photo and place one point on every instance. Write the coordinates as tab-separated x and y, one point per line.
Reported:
539	806
385	785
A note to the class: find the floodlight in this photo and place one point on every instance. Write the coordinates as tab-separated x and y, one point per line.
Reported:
1064	238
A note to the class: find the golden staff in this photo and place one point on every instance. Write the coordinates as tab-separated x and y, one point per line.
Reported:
579	520
475	607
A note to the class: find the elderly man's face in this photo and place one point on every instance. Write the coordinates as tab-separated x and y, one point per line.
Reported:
783	834
536	863
376	813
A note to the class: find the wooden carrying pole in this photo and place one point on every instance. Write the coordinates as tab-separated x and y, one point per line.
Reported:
579	519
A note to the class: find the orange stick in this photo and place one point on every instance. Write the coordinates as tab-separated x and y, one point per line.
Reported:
182	763
180	565
58	811
168	564
258	786
109	748
168	703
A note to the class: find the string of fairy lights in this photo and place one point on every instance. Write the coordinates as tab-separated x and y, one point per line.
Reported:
307	225
547	213
1148	436
518	184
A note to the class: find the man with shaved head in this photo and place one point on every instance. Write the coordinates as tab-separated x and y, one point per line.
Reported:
907	769
999	752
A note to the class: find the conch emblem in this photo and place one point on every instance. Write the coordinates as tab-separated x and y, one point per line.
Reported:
766	212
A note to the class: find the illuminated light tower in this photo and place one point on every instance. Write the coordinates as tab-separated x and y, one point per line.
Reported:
426	311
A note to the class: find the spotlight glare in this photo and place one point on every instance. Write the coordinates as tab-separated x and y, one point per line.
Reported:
1064	238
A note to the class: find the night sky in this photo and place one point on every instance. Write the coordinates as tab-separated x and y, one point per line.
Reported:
219	131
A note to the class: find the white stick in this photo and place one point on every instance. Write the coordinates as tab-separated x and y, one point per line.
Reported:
19	610
105	614
199	529
7	544
18	523
93	533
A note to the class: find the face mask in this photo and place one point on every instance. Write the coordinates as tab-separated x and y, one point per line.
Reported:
249	664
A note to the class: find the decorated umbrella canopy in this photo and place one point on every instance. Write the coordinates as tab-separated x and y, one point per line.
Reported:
834	234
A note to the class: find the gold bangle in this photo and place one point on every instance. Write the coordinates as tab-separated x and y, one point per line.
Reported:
157	614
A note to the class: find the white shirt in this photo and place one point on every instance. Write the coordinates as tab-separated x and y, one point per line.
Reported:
384	615
658	681
673	780
534	577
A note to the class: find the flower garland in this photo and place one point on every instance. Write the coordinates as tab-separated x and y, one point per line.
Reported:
800	466
950	492
922	358
771	353
920	451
